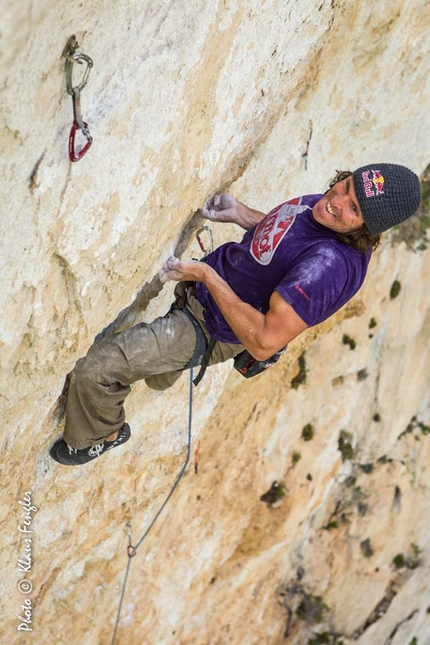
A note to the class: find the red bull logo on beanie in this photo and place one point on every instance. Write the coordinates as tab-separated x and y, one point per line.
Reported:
373	185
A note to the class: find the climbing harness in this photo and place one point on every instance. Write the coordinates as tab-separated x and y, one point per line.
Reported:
72	56
211	344
132	549
203	348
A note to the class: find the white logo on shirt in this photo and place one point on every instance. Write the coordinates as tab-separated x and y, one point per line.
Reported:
272	229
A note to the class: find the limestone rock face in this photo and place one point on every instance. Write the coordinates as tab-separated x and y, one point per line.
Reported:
186	99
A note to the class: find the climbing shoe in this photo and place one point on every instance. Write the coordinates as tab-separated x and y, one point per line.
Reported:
68	456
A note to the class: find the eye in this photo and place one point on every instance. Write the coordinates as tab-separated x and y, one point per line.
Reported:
352	204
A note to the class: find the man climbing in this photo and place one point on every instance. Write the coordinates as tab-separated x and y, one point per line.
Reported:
293	268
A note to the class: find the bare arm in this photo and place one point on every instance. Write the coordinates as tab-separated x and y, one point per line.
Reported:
225	208
261	334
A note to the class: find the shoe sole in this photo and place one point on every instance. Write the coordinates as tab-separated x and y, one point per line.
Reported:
86	459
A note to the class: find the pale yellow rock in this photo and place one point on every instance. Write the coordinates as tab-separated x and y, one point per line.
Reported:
186	99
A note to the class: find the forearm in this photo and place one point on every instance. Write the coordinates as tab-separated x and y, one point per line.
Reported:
246	322
249	217
225	208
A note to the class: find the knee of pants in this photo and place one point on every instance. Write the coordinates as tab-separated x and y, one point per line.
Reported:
99	367
94	389
161	382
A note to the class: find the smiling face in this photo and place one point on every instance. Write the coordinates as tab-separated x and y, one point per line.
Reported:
339	209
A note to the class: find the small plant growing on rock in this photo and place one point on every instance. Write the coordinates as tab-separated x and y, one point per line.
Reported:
312	609
412	561
399	561
334	524
347	340
345	445
413	425
296	458
350	481
384	460
362	374
300	378
275	493
308	432
395	289
325	638
416	553
366	548
372	323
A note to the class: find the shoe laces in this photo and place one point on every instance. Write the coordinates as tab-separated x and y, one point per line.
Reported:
96	450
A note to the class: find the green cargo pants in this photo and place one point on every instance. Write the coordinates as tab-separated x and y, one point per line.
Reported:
156	352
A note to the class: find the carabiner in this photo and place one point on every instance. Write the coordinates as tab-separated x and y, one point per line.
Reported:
201	243
79	58
73	156
78	123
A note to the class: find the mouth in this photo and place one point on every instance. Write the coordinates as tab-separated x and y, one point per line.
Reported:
330	209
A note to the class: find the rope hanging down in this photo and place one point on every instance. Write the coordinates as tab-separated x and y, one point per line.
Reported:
132	550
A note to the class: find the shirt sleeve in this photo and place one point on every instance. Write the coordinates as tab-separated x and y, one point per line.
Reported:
315	286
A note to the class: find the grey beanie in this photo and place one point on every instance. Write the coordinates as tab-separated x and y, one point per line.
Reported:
387	194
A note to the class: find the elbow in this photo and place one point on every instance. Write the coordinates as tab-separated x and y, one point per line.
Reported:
262	354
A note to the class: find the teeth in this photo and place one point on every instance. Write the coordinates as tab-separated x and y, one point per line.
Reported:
330	209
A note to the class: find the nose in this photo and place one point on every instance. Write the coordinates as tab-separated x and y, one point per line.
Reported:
339	200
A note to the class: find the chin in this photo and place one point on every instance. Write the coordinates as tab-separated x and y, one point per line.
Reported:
319	212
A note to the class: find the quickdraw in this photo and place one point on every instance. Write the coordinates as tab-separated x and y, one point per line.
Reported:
205	250
72	56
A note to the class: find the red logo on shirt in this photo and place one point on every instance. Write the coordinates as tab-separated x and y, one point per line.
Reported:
300	290
272	229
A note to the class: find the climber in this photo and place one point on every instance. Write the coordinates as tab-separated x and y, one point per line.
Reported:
294	268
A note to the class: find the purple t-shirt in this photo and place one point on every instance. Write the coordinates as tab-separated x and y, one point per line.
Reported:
288	252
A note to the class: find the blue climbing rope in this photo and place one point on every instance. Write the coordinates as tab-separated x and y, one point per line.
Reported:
132	550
